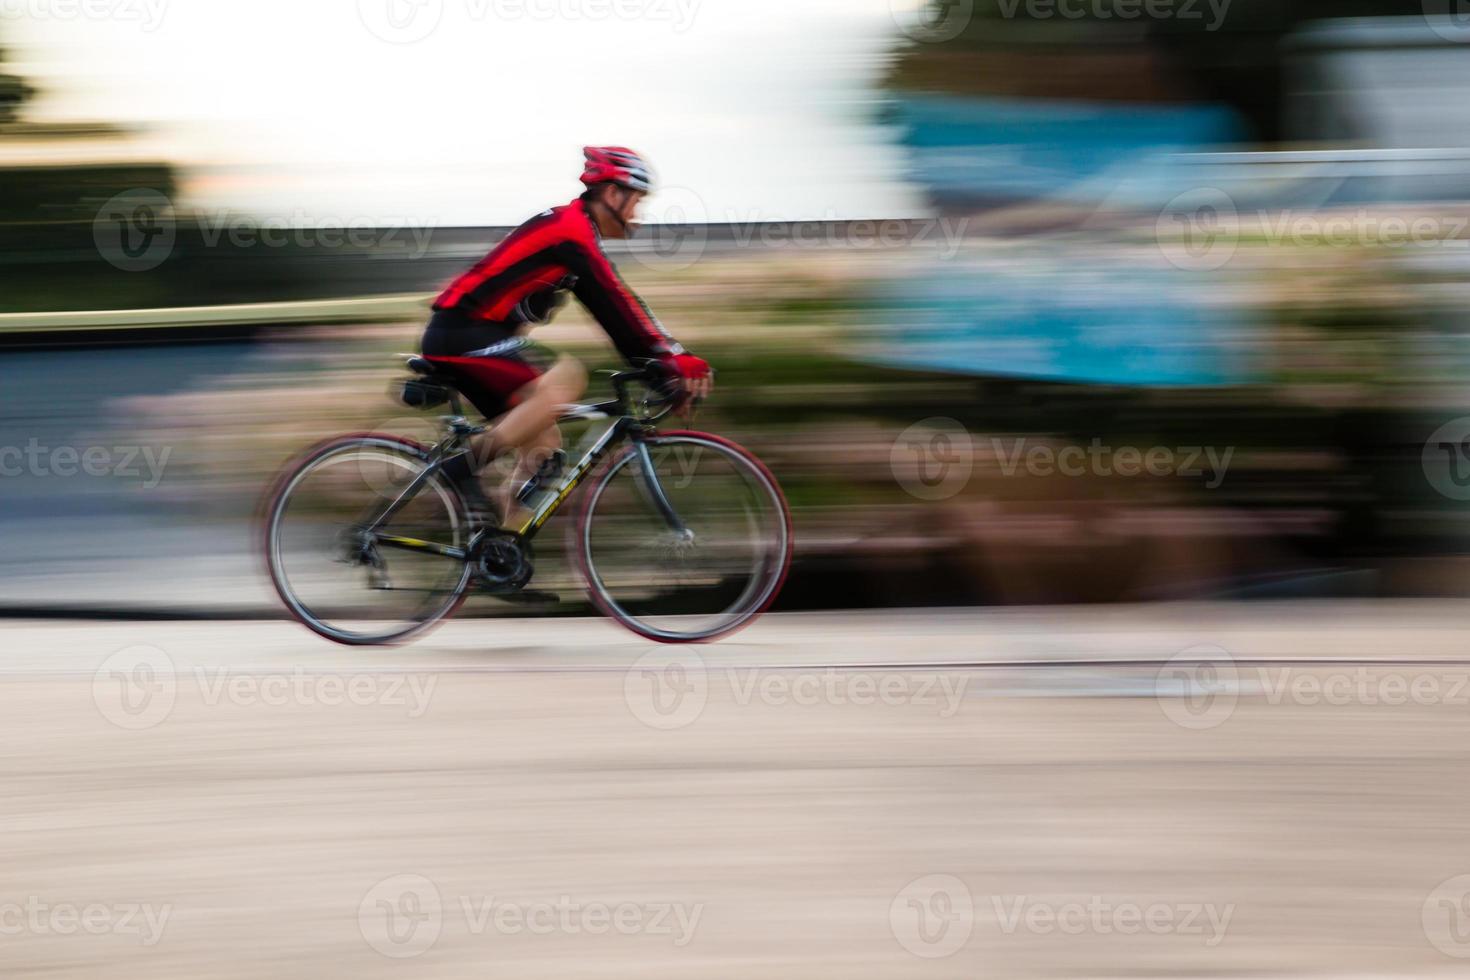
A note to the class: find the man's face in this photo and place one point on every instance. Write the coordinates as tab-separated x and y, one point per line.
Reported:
624	203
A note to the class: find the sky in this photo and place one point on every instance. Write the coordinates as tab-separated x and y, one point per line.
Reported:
468	112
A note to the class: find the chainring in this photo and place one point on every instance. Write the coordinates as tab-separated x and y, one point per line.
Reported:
501	560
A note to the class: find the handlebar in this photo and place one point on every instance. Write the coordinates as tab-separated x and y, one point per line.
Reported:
650	376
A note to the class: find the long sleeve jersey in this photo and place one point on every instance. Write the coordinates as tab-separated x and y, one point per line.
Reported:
522	279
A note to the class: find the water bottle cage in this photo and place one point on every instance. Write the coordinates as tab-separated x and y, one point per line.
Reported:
550	468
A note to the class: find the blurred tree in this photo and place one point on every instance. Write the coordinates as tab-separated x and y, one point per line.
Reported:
13	94
47	209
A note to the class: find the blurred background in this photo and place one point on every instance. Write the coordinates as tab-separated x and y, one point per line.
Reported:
1024	301
1042	311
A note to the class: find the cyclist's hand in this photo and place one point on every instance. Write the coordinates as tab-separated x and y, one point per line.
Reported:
690	376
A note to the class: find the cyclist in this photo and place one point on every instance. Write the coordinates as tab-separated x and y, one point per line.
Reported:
478	330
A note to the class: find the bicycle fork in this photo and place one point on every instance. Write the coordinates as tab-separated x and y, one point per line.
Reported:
648	480
653	492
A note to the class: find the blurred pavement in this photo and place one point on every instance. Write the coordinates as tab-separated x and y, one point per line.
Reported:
285	808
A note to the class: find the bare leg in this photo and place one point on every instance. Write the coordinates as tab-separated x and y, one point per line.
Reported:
531	425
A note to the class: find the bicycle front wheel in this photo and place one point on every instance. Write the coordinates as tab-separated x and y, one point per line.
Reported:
684	537
342	577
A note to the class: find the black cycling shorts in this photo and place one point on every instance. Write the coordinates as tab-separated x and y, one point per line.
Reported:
489	362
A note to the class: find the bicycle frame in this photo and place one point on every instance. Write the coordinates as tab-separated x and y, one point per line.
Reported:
625	427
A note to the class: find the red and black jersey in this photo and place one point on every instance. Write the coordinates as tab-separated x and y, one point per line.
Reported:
560	249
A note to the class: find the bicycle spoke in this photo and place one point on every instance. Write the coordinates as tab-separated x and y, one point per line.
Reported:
694	554
357	585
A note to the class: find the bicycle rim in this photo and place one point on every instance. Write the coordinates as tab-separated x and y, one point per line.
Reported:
342	584
642	572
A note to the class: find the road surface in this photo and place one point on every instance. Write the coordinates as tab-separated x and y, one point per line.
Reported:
1007	793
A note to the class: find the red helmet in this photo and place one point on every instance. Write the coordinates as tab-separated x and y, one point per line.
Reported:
618	165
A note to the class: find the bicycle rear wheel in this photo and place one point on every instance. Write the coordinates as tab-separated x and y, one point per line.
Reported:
350	585
701	562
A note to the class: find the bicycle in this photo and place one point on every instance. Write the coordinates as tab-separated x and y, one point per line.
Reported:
682	536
